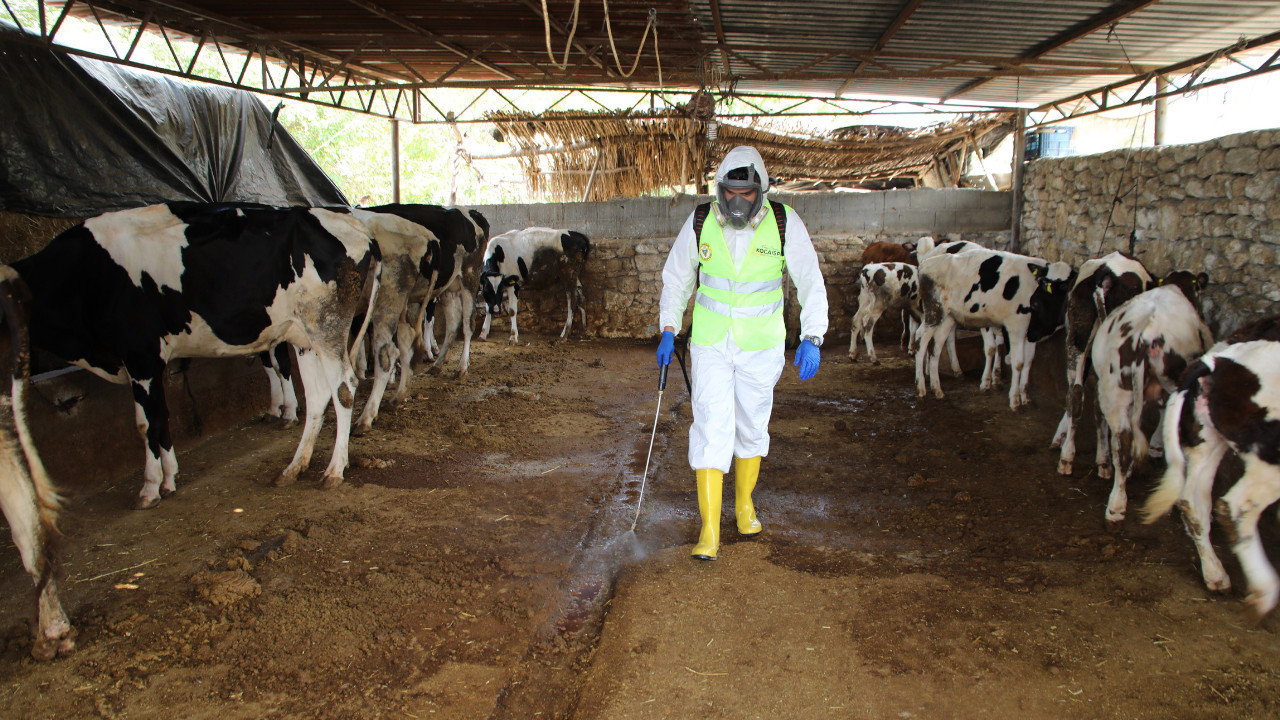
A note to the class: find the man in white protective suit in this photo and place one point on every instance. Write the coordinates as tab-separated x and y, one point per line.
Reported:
734	250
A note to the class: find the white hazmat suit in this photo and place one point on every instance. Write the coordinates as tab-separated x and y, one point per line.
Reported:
732	387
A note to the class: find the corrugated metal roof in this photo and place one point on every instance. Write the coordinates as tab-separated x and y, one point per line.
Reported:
1024	51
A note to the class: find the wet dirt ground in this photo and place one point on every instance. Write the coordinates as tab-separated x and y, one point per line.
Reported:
920	559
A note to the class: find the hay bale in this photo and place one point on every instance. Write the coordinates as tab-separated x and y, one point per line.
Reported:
22	235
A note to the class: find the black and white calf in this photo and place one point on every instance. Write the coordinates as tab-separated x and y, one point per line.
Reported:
123	293
27	496
883	287
1102	285
981	288
1138	354
1229	399
533	258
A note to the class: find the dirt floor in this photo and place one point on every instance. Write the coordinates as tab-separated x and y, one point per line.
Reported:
920	559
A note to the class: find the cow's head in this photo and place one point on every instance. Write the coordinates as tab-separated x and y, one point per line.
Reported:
1048	305
1191	284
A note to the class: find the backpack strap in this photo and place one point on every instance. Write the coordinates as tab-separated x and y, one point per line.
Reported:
699	218
780	215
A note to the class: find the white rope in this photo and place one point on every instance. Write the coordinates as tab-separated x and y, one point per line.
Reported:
616	59
573	30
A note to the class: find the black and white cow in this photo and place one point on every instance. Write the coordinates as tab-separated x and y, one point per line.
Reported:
1138	354
1102	285
123	293
1229	399
990	289
534	258
27	496
883	287
455	267
992	338
407	267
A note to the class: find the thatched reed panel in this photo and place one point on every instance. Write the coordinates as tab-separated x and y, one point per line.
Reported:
624	154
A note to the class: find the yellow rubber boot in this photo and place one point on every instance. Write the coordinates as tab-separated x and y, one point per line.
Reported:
710	487
745	472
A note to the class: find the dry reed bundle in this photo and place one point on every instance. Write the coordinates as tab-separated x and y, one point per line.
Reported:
628	154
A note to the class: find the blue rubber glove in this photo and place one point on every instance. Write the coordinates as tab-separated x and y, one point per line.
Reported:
807	359
666	347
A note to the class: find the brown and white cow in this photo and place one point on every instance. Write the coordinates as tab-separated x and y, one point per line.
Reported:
1138	354
983	288
533	258
123	293
1229	399
886	252
1102	285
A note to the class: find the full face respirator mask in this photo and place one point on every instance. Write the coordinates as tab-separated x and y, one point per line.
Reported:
738	210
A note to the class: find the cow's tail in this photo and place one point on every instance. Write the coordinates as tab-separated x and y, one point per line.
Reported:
1168	492
14	299
375	275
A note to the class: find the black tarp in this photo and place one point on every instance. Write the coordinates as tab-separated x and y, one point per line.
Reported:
79	137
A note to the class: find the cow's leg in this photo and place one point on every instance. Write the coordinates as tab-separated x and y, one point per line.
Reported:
316	392
1020	350
336	373
935	341
464	320
53	633
284	401
581	296
1028	356
990	350
922	357
1065	437
568	321
406	339
385	356
1102	455
1196	503
451	304
869	330
1115	403
951	353
152	416
1238	511
513	305
855	331
484	329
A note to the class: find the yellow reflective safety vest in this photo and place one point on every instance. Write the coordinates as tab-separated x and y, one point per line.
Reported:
747	301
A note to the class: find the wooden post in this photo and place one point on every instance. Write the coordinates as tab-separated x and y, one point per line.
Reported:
1161	112
454	163
395	161
1019	151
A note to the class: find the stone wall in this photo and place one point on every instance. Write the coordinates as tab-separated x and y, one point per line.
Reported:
1212	207
631	239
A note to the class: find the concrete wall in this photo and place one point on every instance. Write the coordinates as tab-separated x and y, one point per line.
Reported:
632	237
1212	207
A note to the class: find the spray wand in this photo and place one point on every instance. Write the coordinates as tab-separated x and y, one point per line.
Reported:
662	385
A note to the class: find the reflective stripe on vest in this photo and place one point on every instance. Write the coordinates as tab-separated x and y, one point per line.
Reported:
747	301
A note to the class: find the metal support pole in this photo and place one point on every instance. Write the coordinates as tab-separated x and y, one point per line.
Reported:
395	161
1019	153
1161	112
